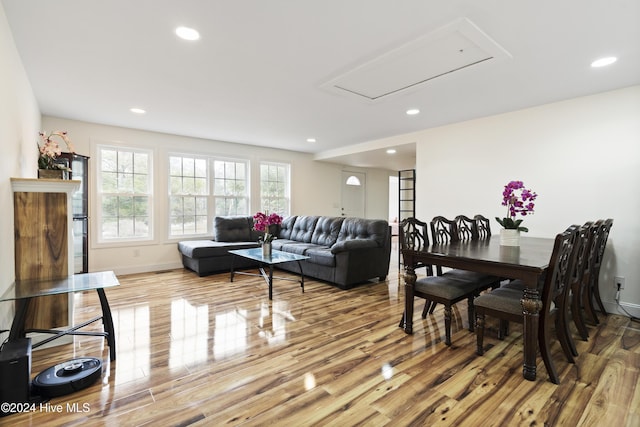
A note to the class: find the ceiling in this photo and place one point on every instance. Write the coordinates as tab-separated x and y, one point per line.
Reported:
275	73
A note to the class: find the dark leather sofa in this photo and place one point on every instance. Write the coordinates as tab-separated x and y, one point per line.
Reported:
343	251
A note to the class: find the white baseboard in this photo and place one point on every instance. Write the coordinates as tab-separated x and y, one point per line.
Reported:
147	268
631	309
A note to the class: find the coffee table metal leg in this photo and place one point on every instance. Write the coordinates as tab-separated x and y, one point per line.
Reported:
17	327
232	262
301	276
107	321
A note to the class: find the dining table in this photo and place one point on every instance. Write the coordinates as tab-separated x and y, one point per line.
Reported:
528	262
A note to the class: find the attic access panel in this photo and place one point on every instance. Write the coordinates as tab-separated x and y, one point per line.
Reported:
451	48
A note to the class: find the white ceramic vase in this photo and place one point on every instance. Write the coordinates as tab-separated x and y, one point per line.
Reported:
509	237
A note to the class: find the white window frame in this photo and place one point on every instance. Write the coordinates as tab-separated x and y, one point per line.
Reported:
222	195
280	204
186	191
216	193
101	174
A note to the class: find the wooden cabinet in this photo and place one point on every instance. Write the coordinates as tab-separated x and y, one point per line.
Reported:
44	242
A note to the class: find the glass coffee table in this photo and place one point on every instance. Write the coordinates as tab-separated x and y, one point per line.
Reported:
277	257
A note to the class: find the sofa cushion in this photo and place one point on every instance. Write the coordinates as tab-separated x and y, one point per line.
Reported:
299	248
233	229
279	243
358	228
349	245
286	226
303	228
210	248
322	256
327	230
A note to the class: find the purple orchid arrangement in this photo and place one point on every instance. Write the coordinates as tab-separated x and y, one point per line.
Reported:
263	222
518	200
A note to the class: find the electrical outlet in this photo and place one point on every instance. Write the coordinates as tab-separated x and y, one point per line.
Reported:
619	282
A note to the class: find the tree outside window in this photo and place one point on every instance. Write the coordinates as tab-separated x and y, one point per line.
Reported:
125	193
275	188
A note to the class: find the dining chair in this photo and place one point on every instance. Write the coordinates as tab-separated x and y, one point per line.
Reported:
573	289
593	290
483	226
466	228
413	235
442	231
578	281
586	299
574	293
505	303
461	228
447	288
446	291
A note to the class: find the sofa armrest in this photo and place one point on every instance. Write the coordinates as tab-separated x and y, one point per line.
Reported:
348	245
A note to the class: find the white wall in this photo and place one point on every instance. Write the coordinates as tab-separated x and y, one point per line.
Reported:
394	196
581	156
315	187
19	126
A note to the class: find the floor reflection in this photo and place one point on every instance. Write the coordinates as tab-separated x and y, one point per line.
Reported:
189	333
133	343
229	333
273	321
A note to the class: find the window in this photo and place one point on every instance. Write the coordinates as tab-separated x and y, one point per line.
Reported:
275	188
230	188
124	187
188	195
202	187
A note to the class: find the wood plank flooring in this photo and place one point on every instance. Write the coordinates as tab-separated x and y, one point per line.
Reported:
197	351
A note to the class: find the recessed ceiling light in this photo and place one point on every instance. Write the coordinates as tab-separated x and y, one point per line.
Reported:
603	62
137	110
187	33
311	140
413	111
391	151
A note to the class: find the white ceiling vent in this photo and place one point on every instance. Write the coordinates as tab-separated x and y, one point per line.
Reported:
453	47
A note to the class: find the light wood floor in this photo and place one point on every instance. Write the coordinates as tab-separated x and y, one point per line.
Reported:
203	351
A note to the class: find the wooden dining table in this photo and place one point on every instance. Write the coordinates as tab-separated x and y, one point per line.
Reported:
528	262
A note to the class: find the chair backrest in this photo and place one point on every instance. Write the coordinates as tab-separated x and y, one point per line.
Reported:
412	234
582	255
443	230
466	228
558	277
592	252
602	241
483	226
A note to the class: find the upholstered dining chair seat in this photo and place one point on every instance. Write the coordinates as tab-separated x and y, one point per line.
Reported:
502	299
444	287
447	291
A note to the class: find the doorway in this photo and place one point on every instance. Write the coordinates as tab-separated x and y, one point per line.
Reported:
353	191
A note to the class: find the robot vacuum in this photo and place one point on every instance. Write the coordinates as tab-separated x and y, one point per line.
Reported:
67	377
